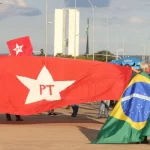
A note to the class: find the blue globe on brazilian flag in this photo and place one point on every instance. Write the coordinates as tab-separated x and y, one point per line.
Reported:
129	121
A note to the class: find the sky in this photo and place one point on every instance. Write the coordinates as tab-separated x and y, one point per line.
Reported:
128	24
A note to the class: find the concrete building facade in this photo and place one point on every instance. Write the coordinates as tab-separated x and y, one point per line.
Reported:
72	30
59	31
73	35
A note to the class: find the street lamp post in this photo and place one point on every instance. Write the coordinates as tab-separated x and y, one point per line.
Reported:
46	26
107	42
144	54
93	51
116	38
93	33
123	45
116	43
107	35
75	31
120	50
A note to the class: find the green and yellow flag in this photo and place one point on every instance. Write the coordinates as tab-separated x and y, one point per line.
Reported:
129	121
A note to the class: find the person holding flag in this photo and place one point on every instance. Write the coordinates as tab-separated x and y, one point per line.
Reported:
129	121
19	47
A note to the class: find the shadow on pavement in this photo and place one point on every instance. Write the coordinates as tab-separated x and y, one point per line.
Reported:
88	108
42	119
91	134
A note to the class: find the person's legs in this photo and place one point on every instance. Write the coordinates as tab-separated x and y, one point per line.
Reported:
101	108
52	113
106	110
18	118
145	141
75	109
8	116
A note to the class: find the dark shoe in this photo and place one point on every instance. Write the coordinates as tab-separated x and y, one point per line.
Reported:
99	117
73	115
9	119
52	114
145	142
19	119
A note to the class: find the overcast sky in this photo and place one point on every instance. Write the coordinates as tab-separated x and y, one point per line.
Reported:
127	18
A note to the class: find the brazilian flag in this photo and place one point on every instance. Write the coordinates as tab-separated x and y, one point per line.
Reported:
129	121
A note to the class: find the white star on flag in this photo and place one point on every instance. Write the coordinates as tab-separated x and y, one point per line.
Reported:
44	87
18	49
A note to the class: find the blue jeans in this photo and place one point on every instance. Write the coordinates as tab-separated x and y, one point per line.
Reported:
75	109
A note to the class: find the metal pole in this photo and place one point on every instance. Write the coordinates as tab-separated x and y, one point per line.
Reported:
46	26
106	35
148	49
116	44
107	42
116	40
93	51
75	31
123	45
117	55
107	46
93	33
144	52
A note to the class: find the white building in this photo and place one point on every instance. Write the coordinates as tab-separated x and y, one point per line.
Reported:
74	25
59	31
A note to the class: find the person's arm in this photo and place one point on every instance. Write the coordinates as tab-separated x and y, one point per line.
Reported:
136	71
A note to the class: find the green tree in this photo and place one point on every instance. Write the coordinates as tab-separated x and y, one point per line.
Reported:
85	57
59	55
64	56
101	56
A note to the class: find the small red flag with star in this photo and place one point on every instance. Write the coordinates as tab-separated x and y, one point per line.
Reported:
20	46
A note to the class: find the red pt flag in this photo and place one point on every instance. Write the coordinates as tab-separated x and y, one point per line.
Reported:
30	85
20	46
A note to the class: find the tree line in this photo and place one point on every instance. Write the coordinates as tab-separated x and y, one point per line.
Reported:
99	56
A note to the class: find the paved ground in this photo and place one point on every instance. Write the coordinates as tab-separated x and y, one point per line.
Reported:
62	132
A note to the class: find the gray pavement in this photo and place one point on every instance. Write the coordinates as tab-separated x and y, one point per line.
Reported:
61	132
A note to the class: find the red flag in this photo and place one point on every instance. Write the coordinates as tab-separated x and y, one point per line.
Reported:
20	46
30	85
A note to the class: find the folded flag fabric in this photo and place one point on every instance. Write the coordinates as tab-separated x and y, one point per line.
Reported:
129	121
